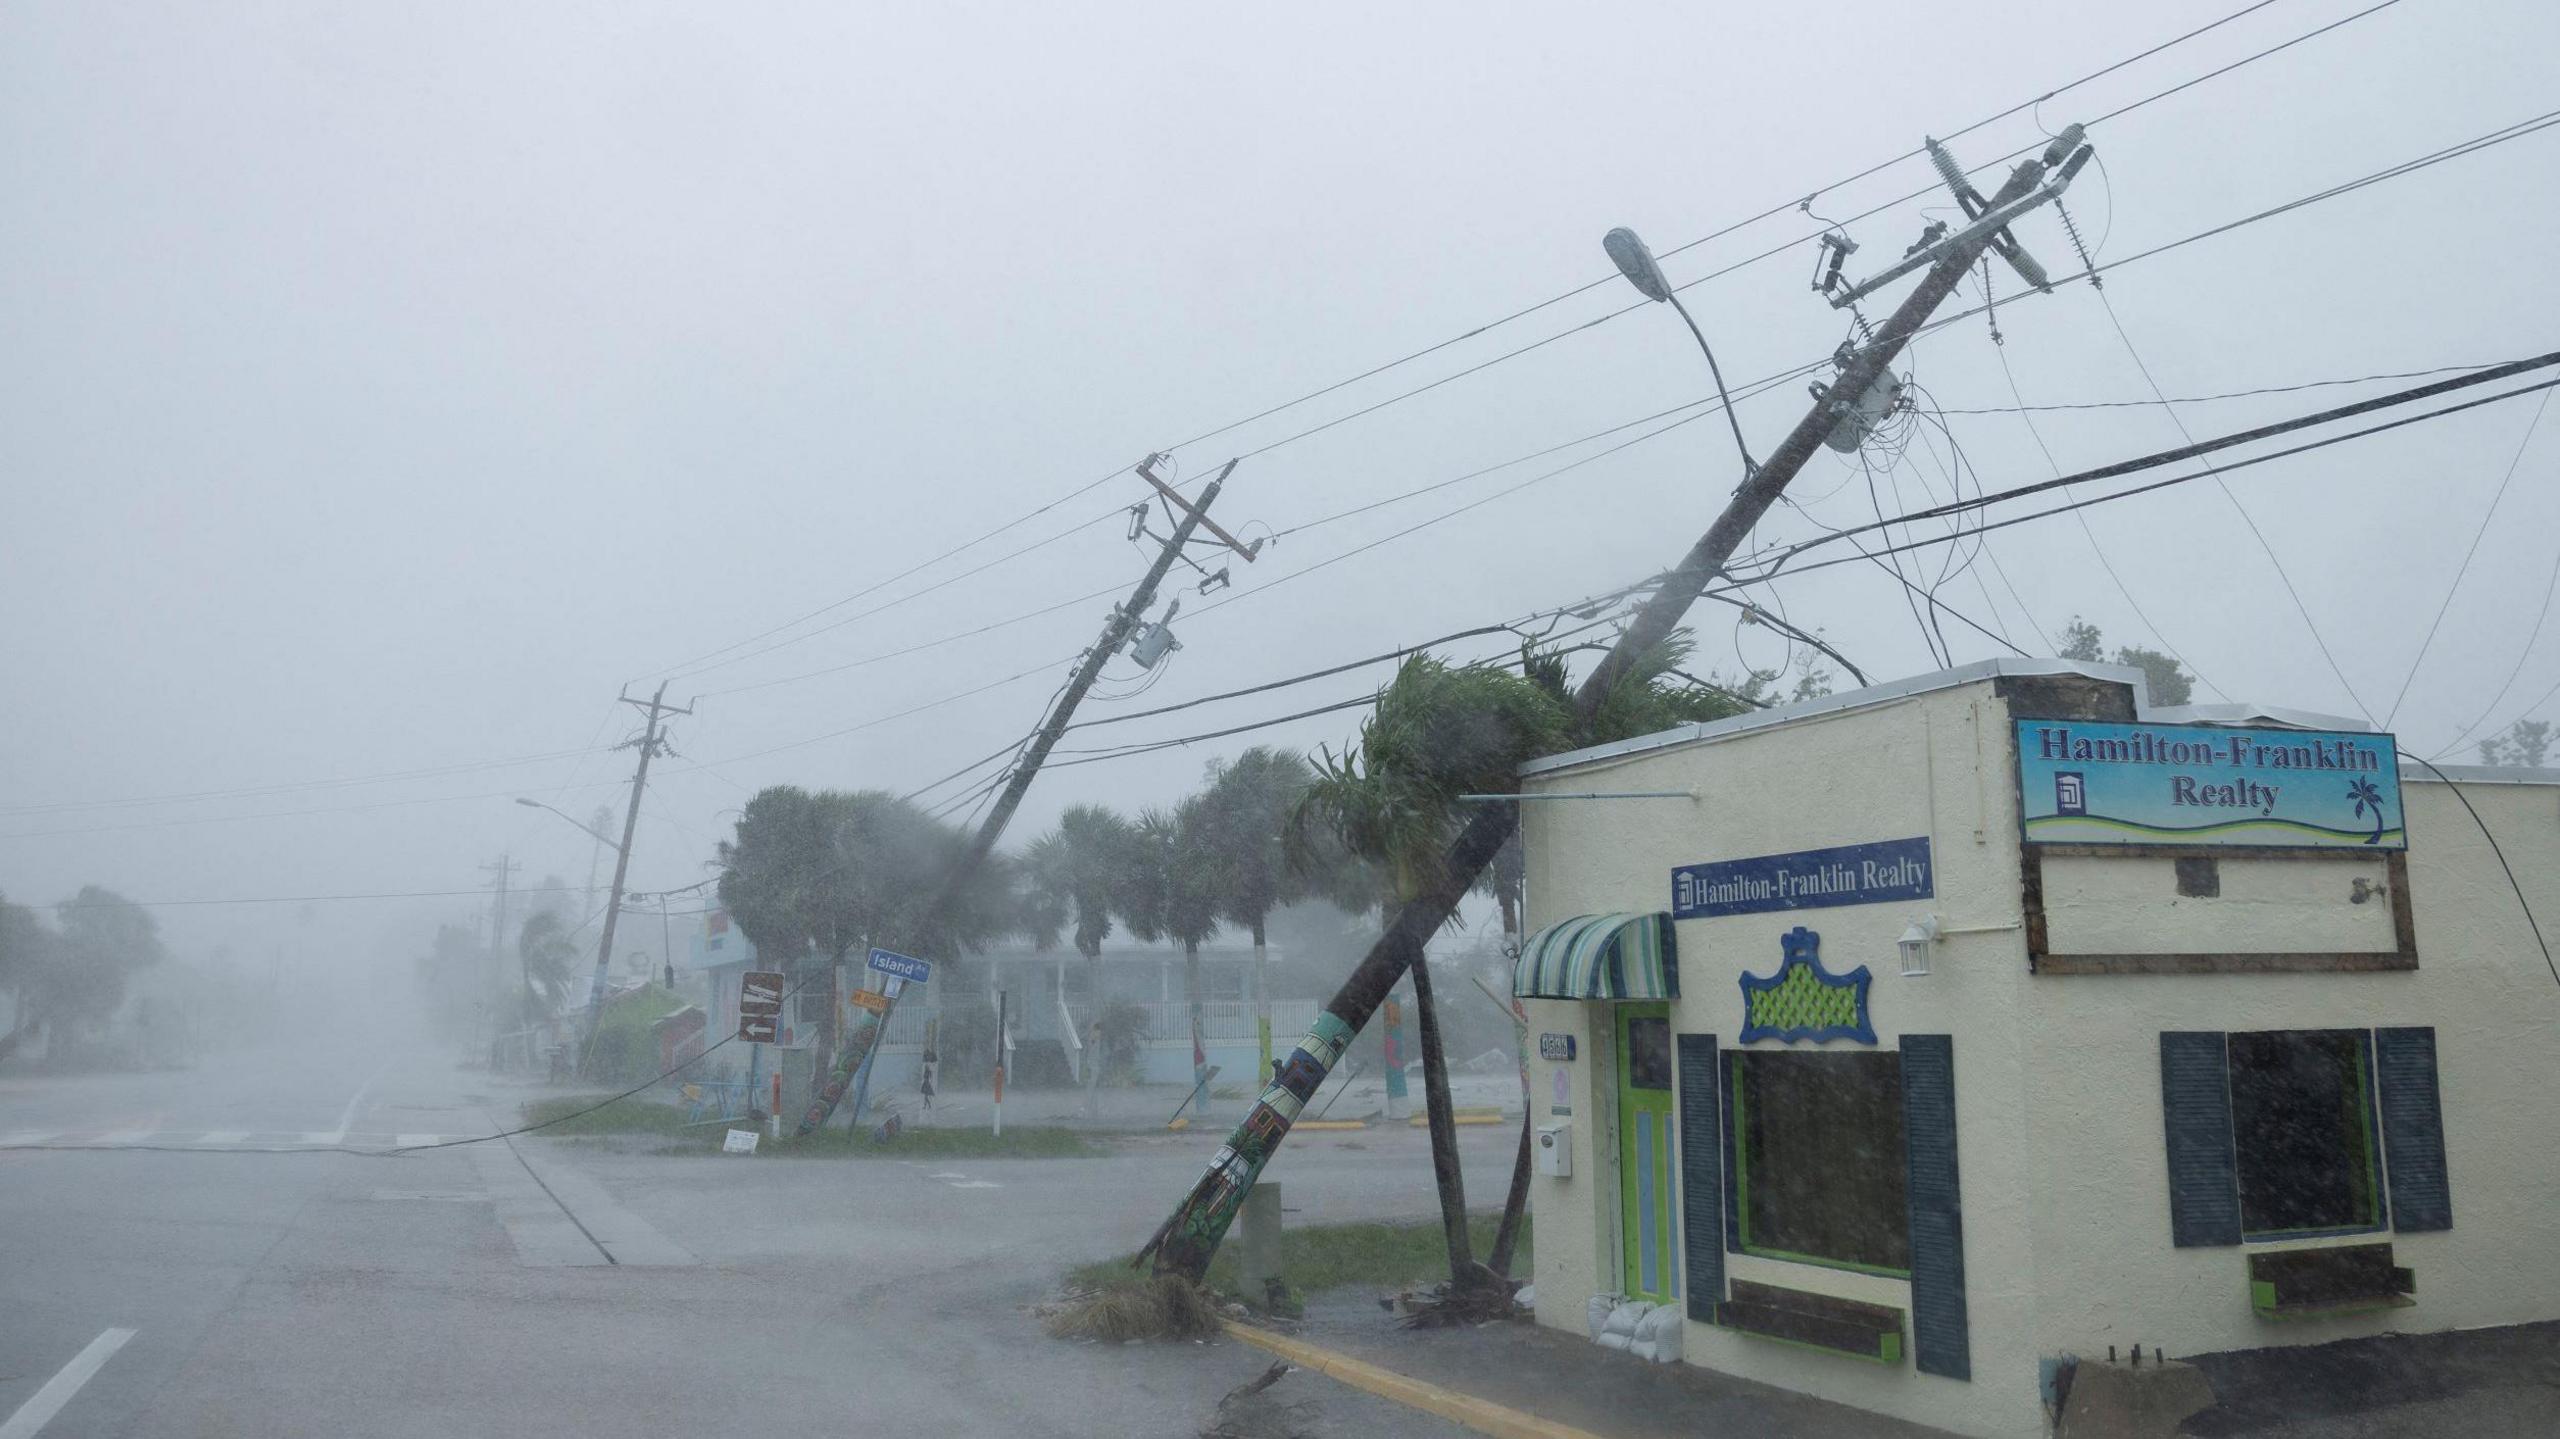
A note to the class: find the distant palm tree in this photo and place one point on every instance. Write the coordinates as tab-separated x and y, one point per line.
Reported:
1245	822
1174	894
1081	869
548	961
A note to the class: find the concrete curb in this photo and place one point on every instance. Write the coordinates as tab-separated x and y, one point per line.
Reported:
1482	1415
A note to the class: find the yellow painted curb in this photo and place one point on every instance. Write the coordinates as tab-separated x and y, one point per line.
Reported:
1331	1124
1482	1415
1423	1121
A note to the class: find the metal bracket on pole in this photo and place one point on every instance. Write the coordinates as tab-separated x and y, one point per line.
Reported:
1173	497
1987	220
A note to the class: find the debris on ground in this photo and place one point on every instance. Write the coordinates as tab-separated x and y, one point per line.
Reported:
1166	1306
1248	1413
1484	1298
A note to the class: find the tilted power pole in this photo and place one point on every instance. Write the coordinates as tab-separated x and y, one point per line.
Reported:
649	744
1116	631
1190	1236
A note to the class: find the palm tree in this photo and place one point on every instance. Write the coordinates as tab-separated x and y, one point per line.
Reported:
548	961
812	876
1082	869
1246	814
1174	894
1440	732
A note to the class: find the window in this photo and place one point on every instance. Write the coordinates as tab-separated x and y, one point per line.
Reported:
1818	1163
1649	1053
2302	1129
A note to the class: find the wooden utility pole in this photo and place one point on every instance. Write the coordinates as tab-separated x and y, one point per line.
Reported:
1190	1236
649	744
500	871
1116	631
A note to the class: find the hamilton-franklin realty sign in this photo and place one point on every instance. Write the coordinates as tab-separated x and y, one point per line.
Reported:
1805	879
2137	784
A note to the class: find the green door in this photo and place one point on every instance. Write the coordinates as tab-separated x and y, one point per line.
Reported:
1648	1230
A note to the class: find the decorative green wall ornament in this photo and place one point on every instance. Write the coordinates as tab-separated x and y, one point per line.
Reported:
1804	1001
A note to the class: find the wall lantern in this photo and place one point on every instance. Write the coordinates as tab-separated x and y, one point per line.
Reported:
1918	938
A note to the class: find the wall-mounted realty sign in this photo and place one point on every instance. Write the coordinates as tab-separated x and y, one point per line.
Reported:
2148	784
1806	879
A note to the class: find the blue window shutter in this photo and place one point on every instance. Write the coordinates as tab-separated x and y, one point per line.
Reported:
2412	1129
1701	1177
2195	1108
1941	1342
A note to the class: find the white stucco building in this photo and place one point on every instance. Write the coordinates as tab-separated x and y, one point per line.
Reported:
2201	1059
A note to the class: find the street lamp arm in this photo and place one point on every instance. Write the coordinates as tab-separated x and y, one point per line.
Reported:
1749	466
582	826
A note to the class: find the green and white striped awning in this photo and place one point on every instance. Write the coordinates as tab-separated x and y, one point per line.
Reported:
1600	956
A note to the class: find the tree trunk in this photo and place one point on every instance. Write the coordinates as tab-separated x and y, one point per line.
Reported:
1515	1204
1445	1170
1199	1046
1191	1234
1262	1005
1093	1053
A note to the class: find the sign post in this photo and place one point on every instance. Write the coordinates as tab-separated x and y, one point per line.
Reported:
1002	999
760	1005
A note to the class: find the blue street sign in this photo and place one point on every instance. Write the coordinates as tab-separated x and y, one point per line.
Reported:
901	965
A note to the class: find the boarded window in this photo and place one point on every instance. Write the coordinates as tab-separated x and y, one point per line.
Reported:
1819	1170
2302	1128
1649	1053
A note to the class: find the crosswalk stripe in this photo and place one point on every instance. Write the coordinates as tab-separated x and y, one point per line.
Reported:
412	1141
225	1136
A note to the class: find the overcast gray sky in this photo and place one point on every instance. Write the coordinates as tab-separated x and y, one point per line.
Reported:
382	387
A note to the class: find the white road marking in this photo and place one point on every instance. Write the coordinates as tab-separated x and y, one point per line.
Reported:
348	1117
976	1184
126	1136
57	1391
33	1136
314	1136
226	1136
946	1175
414	1141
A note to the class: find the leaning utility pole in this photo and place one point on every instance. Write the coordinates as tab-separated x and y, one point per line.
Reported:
1190	1236
500	870
649	745
1116	632
504	867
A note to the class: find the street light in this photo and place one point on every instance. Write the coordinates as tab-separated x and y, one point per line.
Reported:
588	830
1636	263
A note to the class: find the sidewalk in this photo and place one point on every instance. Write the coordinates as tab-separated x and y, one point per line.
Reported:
1569	1380
1150	1106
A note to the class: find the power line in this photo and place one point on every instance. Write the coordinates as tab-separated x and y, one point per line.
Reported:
2100	550
2465	567
919	648
888	605
2207	399
328	898
2264	546
2148	462
688	666
294	786
2495	137
2500	851
1773	211
1084	489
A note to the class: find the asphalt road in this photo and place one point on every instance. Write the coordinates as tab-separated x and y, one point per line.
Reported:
544	1286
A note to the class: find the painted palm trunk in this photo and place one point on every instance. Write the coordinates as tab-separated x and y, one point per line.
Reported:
1187	1240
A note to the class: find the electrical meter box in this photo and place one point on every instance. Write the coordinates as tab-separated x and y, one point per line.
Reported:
1555	1150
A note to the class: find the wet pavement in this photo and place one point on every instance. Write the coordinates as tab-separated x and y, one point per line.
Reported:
540	1285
